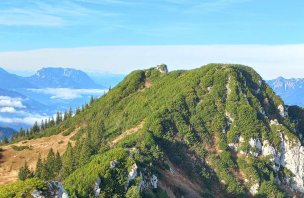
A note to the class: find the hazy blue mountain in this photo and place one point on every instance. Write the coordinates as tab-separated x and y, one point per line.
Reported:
6	132
291	90
12	81
24	100
62	78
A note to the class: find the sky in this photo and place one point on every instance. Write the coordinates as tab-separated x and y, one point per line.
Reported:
118	36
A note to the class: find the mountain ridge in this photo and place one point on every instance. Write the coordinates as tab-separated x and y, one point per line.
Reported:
290	89
215	131
57	77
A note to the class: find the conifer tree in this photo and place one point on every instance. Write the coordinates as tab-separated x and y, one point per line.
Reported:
42	126
57	163
5	140
35	128
78	110
58	118
70	113
91	100
68	161
85	152
39	168
49	167
65	116
25	172
97	135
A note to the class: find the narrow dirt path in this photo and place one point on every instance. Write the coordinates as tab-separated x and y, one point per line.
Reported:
127	133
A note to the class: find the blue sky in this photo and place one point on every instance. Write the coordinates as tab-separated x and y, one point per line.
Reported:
32	24
27	26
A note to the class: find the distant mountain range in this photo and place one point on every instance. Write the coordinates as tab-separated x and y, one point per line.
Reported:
6	132
12	81
49	78
24	100
62	78
291	90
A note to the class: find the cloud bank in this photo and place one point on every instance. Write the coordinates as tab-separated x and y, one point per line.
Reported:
13	111
68	94
6	101
269	60
29	119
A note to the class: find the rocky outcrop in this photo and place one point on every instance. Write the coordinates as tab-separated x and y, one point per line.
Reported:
57	190
113	164
291	156
133	173
148	182
97	188
162	68
282	111
254	189
154	181
37	194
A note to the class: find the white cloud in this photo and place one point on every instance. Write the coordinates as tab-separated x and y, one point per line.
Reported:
6	101
269	60
67	93
30	119
7	110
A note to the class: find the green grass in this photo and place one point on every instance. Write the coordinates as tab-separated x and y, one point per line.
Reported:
21	148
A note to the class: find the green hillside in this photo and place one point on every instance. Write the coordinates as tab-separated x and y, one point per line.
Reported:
196	133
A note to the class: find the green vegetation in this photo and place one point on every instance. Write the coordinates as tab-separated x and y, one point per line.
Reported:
22	188
25	172
20	148
189	119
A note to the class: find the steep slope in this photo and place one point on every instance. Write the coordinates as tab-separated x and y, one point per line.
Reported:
62	78
216	131
291	90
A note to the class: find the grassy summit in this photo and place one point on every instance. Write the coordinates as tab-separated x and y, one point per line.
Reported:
192	130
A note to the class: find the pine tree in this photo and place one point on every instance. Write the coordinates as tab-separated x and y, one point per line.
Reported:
5	140
25	172
78	110
91	100
46	124
85	152
68	161
70	113
97	136
35	128
42	126
49	167
66	115
39	168
22	132
58	118
58	163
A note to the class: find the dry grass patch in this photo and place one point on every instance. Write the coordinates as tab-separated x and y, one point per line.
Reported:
12	158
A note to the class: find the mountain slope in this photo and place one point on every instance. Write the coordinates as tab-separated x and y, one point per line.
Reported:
6	132
216	131
291	90
12	81
62	78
